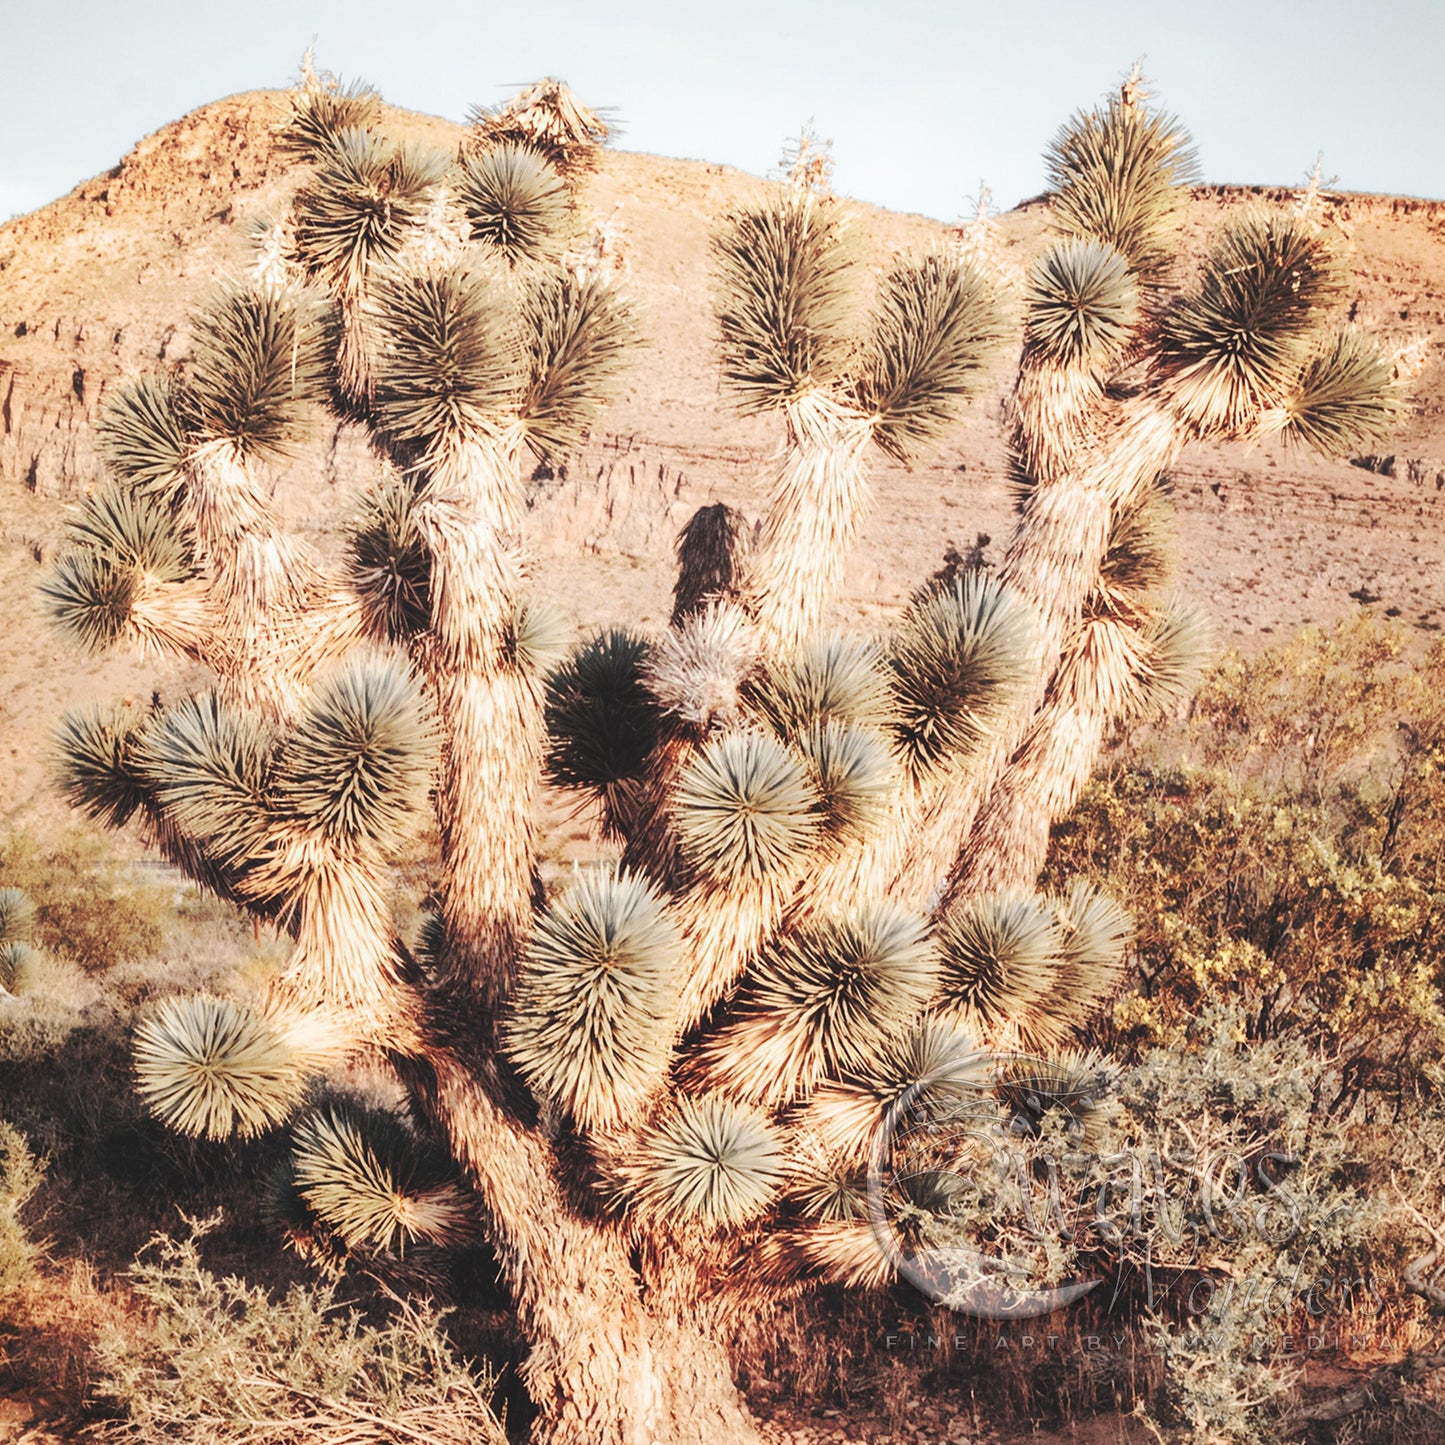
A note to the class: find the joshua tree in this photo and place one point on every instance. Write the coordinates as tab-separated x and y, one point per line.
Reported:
659	1087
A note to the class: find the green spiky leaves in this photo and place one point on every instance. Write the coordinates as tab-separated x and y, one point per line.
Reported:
262	359
589	1023
782	306
97	766
115	582
210	767
855	775
1345	401
389	563
17	966
601	719
937	325
322	113
1082	305
1178	643
367	1177
999	959
713	1162
448	363
212	1068
17	915
835	678
514	201
358	207
578	330
957	661
356	766
142	434
745	807
1237	342
826	998
1117	174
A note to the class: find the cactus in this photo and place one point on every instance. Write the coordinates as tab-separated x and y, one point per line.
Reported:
828	843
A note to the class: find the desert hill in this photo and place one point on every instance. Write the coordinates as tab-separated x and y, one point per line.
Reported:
97	286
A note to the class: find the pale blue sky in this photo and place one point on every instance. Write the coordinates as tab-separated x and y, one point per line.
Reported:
922	98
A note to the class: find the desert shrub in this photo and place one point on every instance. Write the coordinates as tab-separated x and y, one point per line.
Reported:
1284	849
217	1359
91	905
21	1173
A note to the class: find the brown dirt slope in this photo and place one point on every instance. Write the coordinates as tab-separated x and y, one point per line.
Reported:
97	286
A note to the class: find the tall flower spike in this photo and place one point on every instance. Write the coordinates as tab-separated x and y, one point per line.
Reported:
589	1024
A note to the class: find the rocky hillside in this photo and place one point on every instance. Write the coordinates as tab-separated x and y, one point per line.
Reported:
98	285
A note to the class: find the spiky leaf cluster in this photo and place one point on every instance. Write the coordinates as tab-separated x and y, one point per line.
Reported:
1094	934
937	325
825	998
537	635
933	1069
361	202
1178	644
211	1068
142	433
1345	400
835	678
601	719
367	1177
17	915
1237	341
589	1023
209	768
261	360
320	114
712	1162
782	311
1139	557
745	807
999	959
448	363
1116	174
855	775
959	657
695	670
125	542
97	765
546	118
578	330
389	564
356	765
1082	305
17	961
514	201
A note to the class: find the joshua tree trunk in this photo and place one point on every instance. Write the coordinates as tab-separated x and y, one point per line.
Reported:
603	1370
